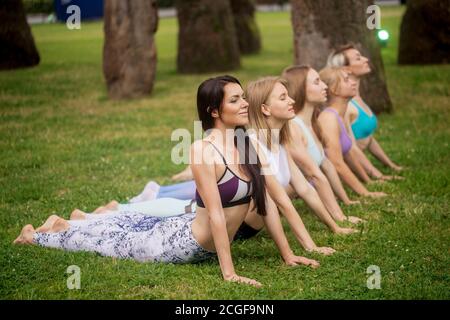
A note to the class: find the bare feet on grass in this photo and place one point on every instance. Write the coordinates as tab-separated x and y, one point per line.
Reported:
77	214
60	225
48	224
184	175
26	235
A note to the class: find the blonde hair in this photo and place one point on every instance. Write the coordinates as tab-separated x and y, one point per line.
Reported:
337	57
332	76
257	93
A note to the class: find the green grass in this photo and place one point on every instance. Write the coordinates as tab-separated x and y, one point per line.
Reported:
65	145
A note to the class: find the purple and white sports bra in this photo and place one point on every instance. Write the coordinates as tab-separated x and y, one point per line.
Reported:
232	189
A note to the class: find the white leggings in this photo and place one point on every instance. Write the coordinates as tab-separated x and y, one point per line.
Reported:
163	207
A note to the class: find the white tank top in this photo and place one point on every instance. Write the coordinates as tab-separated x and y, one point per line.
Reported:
279	164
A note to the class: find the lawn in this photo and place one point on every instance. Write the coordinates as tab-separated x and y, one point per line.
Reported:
64	145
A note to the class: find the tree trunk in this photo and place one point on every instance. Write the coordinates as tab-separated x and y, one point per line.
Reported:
17	48
129	52
321	25
247	30
207	39
425	32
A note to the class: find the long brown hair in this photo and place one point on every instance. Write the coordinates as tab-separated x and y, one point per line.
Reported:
296	77
258	93
210	95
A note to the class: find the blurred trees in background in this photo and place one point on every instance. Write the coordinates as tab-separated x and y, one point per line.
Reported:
17	47
249	39
425	32
207	40
320	26
129	52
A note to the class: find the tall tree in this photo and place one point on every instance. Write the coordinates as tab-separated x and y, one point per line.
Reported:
321	25
425	32
17	48
129	52
249	39
207	39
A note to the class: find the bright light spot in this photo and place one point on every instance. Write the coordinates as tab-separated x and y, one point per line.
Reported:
383	35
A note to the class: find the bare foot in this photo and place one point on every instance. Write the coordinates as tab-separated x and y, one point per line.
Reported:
48	224
60	225
113	205
100	210
77	215
26	235
397	168
184	175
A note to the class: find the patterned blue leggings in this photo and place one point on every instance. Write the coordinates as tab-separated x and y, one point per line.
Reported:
131	235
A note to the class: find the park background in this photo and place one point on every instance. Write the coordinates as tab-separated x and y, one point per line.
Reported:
66	145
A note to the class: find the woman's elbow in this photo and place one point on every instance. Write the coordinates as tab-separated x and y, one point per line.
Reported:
319	178
217	220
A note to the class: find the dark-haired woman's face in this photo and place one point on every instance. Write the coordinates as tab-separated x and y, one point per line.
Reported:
316	89
358	64
234	111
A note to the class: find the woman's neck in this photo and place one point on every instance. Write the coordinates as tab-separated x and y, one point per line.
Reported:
339	104
223	135
358	82
275	126
306	113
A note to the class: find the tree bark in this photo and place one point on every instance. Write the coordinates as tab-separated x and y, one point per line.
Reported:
321	25
249	39
207	39
17	47
129	51
425	32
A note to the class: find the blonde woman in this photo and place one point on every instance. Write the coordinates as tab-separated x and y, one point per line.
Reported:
338	144
362	120
309	92
270	109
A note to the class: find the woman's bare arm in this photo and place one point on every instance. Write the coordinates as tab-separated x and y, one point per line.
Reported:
205	177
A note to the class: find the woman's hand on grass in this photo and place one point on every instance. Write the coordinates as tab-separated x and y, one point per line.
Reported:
352	202
355	220
376	194
327	251
236	278
294	260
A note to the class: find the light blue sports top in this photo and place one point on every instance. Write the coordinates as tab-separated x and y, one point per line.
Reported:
313	149
364	125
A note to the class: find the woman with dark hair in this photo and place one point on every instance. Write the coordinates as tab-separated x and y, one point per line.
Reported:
224	192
